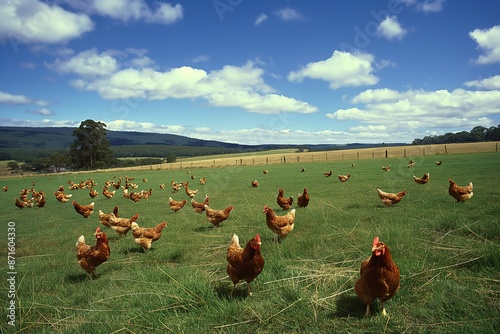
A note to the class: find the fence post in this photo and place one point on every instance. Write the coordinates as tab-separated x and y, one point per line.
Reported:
445	150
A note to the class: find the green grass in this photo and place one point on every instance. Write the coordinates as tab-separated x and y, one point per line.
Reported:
448	253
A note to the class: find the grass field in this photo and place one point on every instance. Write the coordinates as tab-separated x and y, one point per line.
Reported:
448	253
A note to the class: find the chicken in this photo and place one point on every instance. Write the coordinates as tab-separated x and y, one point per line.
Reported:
191	193
281	225
84	210
122	225
217	216
461	194
107	193
390	198
144	237
327	174
90	257
162	185
411	164
244	263
136	196
24	204
284	203
303	200
200	207
176	205
40	199
265	171
126	194
147	194
302	170
422	180
344	178
386	168
61	196
175	186
379	277
5	188
203	180
93	193
439	163
105	217
255	183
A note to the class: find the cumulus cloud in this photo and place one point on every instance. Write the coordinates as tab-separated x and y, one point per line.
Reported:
488	40
488	83
33	21
410	110
288	14
431	6
390	28
231	86
131	10
261	18
86	64
7	98
342	69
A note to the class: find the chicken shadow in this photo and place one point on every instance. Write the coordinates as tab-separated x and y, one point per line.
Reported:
348	306
224	289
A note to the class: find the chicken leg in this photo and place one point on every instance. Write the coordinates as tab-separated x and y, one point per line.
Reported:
367	313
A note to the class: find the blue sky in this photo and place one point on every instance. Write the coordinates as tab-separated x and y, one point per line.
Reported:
253	72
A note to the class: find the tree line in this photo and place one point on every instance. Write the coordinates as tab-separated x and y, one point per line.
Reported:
477	134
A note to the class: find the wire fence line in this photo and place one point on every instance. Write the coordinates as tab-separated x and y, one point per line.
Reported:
410	151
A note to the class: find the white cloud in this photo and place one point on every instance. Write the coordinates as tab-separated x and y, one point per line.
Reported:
33	21
261	18
42	112
6	98
488	41
86	64
342	69
231	86
200	59
131	10
391	29
288	14
488	83
431	6
420	110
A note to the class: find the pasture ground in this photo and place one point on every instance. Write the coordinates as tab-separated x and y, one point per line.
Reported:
448	252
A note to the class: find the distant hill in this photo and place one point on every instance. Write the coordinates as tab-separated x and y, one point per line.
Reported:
20	143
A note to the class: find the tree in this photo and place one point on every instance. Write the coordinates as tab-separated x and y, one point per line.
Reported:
58	160
13	165
91	148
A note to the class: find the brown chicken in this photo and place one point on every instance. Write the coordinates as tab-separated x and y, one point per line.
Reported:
281	225
144	237
386	168
84	210
5	188
122	225
422	180
255	183
327	174
344	178
90	257
105	217
244	263
40	199
439	163
190	192
62	197
391	198
107	193
176	205
379	277
461	194
411	164
284	203
200	207
303	200
217	216
24	204
93	193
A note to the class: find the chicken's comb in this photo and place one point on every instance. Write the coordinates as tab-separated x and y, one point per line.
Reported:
98	229
257	237
375	241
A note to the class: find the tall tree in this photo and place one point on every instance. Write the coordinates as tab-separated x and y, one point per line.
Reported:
91	148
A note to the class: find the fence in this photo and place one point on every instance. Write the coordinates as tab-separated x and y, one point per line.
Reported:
353	154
